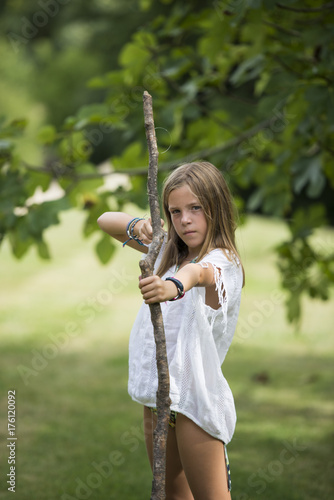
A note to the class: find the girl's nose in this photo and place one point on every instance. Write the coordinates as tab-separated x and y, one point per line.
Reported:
185	219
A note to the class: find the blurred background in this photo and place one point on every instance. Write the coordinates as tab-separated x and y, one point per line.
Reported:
245	84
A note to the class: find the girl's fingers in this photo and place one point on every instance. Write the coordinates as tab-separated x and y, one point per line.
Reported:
150	295
146	231
147	227
152	289
145	281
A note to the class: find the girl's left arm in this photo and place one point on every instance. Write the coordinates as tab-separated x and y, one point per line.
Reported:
154	289
195	275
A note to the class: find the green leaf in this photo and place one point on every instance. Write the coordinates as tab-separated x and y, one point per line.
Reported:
305	220
308	171
206	132
111	79
83	194
77	147
135	56
13	190
19	240
248	70
42	216
145	4
43	250
318	96
293	307
105	249
69	123
47	134
37	179
262	83
93	111
132	157
255	200
96	209
14	128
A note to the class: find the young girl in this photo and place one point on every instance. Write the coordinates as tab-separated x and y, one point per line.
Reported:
198	280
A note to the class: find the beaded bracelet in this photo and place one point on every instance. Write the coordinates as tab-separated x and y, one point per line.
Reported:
129	231
179	286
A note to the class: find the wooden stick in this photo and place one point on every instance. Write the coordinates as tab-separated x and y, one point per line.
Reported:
146	266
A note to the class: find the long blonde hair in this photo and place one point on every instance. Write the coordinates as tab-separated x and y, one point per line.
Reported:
209	186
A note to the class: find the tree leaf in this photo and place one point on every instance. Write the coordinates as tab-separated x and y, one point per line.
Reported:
132	156
14	128
105	249
248	70
293	308
308	171
43	250
47	134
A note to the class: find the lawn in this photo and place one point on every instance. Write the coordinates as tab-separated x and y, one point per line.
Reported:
65	326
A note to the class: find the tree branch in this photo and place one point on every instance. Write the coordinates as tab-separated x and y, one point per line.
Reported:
326	6
287	67
146	266
170	165
287	31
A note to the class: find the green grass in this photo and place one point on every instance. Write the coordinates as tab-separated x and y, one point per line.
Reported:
80	435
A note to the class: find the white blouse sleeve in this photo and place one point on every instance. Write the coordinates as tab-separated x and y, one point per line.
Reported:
227	271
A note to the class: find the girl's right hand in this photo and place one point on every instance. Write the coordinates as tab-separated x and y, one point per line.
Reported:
144	231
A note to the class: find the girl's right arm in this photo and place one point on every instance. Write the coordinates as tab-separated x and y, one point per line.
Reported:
115	224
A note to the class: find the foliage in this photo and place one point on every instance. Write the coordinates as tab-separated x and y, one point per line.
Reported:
244	84
64	44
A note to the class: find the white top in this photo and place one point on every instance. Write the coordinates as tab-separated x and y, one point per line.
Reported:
198	338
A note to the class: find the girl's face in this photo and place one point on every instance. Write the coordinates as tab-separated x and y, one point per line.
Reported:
188	218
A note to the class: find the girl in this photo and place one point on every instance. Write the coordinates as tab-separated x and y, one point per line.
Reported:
198	281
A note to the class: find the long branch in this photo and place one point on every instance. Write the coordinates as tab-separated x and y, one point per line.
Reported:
286	31
146	266
307	10
203	154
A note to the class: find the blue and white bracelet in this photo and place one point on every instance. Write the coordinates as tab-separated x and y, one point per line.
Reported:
129	231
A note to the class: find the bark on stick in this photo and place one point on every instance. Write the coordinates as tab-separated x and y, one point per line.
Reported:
146	266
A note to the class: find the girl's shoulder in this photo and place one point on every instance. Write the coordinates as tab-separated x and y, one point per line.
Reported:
221	257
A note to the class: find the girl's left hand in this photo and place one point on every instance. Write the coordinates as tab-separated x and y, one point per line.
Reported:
154	289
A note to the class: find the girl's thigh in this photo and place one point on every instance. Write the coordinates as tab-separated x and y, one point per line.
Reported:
177	487
203	460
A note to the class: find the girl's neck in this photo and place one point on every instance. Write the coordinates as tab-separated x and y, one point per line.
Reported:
185	261
190	258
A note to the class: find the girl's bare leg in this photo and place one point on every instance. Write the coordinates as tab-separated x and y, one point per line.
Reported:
177	487
203	460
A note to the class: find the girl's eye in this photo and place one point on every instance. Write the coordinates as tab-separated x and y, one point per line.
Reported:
174	212
197	207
